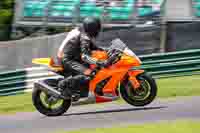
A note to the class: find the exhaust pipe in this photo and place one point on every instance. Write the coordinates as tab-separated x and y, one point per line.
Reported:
48	89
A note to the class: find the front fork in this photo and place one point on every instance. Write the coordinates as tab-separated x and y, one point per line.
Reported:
132	78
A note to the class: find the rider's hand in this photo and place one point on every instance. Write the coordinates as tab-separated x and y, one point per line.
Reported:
102	63
108	62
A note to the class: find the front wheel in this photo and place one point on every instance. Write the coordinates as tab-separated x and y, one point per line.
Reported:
141	96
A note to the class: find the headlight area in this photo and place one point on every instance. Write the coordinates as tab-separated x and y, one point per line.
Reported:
131	53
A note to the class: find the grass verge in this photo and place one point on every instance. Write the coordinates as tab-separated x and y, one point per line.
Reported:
179	86
170	87
163	127
17	103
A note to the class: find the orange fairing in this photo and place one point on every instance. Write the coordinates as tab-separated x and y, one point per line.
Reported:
132	78
117	72
99	55
129	60
116	76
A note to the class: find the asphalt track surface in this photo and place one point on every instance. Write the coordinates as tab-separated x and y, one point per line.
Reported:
102	115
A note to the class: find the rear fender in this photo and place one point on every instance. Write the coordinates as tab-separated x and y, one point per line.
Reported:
132	74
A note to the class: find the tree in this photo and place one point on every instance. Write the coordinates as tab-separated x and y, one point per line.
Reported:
6	13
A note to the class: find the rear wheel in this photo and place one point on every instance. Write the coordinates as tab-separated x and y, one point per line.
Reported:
141	96
48	104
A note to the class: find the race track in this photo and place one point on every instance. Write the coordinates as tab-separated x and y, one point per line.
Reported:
103	115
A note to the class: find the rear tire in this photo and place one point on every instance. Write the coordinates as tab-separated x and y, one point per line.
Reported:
131	99
40	106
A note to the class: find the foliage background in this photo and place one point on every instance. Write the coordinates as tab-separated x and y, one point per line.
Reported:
6	15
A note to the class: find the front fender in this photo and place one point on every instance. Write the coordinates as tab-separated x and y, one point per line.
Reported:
135	72
132	74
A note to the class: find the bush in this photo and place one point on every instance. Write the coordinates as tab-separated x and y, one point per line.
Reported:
6	13
5	16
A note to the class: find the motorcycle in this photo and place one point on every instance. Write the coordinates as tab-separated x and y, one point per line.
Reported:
122	78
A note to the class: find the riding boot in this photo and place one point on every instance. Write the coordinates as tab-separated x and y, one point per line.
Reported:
66	86
78	81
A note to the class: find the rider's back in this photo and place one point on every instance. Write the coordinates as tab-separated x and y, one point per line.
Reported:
70	47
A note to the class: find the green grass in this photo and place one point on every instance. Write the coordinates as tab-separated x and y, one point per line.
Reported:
179	86
170	87
18	103
164	127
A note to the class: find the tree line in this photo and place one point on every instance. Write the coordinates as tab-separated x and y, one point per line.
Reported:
6	15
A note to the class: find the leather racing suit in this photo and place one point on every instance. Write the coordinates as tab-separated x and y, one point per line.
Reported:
75	53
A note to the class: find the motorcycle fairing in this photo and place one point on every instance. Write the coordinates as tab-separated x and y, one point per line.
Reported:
116	76
132	78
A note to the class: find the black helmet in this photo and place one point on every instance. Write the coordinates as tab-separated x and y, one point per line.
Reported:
92	26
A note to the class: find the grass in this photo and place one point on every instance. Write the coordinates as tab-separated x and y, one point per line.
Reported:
163	127
170	87
179	86
18	103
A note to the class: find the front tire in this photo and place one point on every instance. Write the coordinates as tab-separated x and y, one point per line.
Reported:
45	108
145	97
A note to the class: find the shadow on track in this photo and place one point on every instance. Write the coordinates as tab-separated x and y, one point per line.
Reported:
116	110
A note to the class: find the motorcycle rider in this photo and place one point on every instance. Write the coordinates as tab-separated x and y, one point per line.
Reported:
75	53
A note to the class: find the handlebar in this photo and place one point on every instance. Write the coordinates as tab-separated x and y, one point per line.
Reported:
114	56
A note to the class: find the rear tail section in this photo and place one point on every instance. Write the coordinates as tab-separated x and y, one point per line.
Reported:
42	61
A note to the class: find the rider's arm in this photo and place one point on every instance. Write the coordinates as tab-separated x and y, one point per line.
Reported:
86	51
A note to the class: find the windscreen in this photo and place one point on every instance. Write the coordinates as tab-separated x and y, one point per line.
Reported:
118	44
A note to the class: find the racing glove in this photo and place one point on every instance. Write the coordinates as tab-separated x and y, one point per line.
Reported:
86	47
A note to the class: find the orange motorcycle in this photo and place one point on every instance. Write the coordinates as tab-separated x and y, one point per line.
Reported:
123	77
